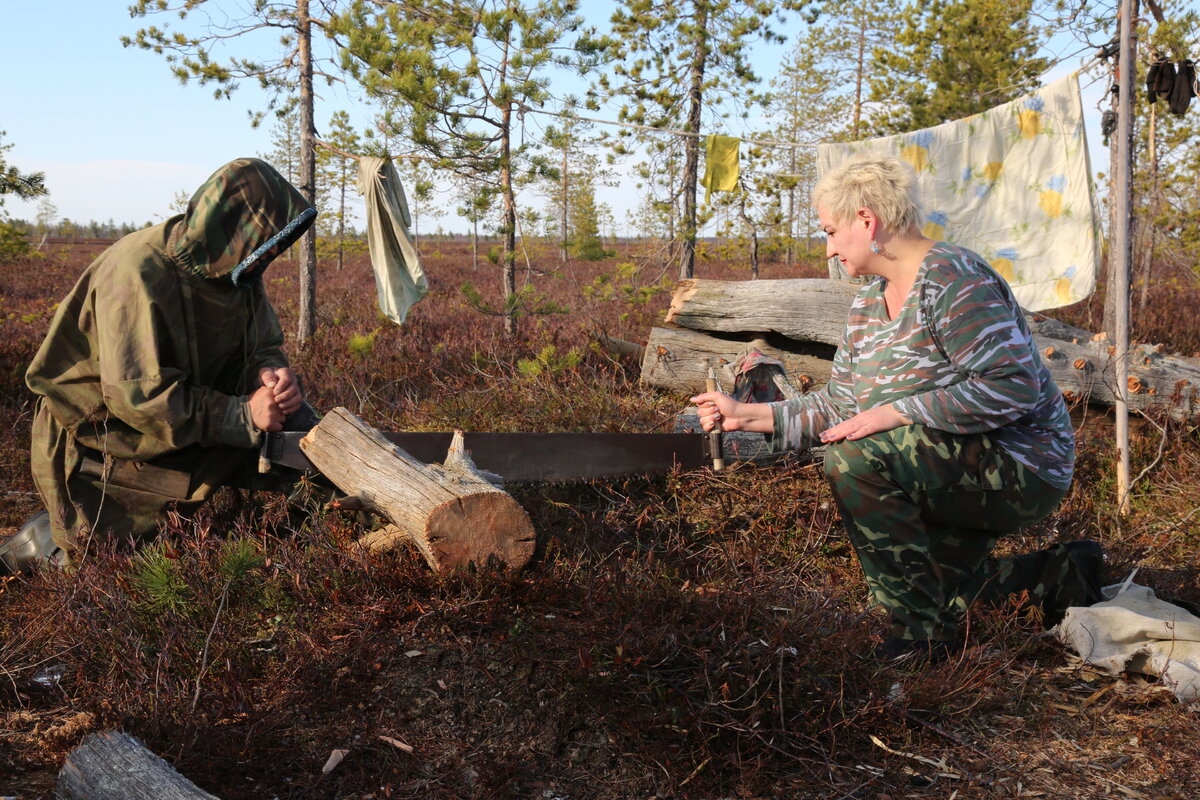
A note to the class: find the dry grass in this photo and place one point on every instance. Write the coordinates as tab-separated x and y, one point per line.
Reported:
696	635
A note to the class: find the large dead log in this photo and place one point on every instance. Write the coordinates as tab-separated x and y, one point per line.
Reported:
116	766
1081	366
1085	371
451	512
678	360
806	309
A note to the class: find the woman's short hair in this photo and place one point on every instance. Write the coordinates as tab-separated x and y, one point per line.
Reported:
882	183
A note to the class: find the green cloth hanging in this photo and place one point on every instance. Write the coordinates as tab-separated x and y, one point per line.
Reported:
720	164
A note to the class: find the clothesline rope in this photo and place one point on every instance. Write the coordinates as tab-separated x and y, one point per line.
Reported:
657	129
340	152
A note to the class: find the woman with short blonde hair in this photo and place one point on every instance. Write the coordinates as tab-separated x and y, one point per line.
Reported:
884	184
944	428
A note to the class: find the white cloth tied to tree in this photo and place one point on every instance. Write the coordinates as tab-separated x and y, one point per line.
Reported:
1138	632
399	280
1014	185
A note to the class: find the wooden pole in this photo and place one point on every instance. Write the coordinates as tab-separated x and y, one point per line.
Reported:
1127	69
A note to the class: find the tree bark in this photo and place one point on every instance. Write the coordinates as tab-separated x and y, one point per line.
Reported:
677	360
1150	222
562	222
116	766
807	309
687	258
452	512
509	277
308	175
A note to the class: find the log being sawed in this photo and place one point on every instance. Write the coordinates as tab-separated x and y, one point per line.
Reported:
1083	366
451	512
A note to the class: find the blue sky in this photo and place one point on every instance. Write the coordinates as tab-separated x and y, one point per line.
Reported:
118	136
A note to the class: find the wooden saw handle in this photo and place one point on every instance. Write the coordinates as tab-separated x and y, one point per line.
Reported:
714	436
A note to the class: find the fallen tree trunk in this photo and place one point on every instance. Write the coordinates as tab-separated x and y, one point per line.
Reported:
451	512
1082	366
1086	372
677	359
116	766
805	309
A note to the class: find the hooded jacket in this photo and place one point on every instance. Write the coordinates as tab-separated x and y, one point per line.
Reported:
159	344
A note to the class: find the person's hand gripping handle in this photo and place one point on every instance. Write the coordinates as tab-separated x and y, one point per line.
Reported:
714	436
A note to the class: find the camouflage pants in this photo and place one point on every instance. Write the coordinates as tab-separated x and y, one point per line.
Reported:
924	508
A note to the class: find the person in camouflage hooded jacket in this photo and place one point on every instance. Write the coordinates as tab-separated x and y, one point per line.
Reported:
164	362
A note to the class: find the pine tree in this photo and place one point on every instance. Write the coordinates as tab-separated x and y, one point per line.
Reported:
1166	199
478	203
954	58
285	145
821	95
337	172
289	74
25	185
676	60
585	214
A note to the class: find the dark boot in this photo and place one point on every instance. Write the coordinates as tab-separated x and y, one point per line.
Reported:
1081	581
30	547
896	651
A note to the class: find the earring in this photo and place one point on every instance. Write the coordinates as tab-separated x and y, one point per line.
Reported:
874	247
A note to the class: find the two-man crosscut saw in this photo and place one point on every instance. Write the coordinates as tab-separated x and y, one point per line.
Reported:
532	457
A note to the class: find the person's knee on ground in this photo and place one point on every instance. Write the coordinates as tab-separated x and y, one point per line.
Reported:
882	518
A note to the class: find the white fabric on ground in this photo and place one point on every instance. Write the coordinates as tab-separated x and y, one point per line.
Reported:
1135	631
399	280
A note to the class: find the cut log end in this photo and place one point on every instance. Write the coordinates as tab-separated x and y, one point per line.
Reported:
477	528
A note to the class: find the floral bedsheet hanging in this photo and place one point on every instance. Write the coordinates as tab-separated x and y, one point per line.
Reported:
1014	185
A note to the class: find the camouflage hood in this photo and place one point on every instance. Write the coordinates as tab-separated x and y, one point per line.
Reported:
243	216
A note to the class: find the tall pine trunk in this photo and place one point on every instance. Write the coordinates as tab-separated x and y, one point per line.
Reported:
509	277
566	187
687	258
342	218
308	176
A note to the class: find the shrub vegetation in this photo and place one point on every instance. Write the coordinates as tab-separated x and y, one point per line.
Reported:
695	635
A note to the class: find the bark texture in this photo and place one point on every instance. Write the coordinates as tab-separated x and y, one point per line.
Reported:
814	310
116	766
677	359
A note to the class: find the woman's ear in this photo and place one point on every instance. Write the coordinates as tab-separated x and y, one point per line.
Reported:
867	217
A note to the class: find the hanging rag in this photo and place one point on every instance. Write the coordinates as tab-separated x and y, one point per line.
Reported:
720	164
1135	631
399	280
1183	88
1013	184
